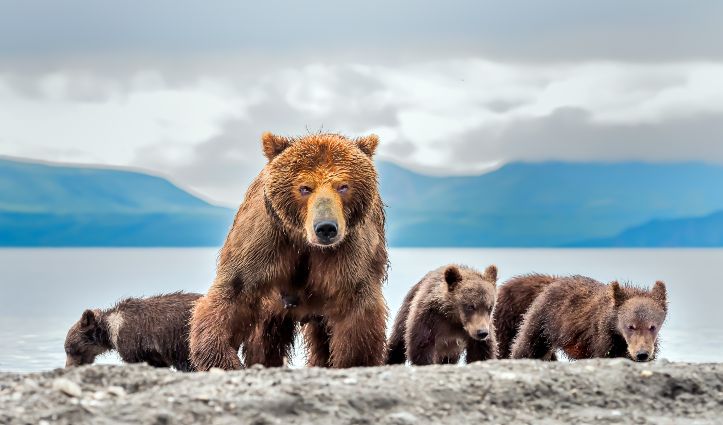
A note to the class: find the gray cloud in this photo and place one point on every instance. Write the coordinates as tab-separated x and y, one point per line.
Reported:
516	30
569	134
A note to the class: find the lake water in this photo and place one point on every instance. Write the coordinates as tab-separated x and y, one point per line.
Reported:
44	291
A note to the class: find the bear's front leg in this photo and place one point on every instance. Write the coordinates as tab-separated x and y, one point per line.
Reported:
421	341
272	342
218	325
317	340
531	341
358	338
481	350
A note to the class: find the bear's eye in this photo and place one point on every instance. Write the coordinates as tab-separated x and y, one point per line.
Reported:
305	190
631	327
652	328
470	307
343	188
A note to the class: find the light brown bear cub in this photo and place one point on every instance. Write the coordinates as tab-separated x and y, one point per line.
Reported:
153	330
588	319
444	314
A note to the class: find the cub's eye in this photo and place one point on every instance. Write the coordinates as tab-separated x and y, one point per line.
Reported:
631	327
470	307
652	328
305	190
343	188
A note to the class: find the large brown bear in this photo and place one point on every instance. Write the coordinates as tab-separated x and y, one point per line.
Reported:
447	312
153	330
514	298
311	223
586	319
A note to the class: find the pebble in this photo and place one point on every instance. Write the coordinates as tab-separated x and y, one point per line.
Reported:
646	373
402	418
116	391
216	371
67	387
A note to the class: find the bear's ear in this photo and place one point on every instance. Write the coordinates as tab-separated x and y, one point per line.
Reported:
88	319
452	276
659	293
273	144
618	295
368	144
491	273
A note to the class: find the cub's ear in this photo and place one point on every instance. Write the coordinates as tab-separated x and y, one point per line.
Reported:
368	144
659	293
452	276
618	295
273	144
491	273
88	319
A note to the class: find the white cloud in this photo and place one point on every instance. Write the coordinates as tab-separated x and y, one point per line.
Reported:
453	115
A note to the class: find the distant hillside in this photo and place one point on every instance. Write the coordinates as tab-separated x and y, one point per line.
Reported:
685	232
49	205
520	204
543	204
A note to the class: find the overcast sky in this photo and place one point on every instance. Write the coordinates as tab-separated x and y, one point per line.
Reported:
185	89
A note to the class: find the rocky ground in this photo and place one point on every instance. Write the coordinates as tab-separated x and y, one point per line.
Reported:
504	392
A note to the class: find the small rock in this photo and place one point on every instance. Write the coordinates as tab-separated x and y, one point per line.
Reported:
216	371
350	381
67	387
646	373
116	391
402	418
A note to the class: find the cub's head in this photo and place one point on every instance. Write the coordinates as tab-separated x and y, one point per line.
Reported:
472	294
320	186
640	314
85	340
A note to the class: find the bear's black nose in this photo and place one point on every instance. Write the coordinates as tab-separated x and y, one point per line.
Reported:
642	356
326	231
482	334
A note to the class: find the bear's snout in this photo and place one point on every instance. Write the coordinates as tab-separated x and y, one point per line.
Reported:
326	231
642	356
325	224
482	334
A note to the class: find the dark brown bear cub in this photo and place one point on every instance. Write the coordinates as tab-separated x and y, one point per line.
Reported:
586	319
447	312
153	330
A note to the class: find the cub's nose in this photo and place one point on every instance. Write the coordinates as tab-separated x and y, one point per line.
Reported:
642	356
326	231
482	334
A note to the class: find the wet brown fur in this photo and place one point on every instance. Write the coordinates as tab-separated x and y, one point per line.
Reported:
588	319
271	250
514	297
154	330
440	316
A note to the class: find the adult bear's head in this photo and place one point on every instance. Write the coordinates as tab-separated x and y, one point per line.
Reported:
320	186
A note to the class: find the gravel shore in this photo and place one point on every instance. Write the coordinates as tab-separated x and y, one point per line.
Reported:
504	392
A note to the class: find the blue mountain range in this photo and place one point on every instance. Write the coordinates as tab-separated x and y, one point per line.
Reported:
547	204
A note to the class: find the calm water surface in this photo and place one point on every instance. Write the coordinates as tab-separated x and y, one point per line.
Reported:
43	291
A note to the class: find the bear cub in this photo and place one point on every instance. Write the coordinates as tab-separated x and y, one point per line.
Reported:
153	330
588	319
447	312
